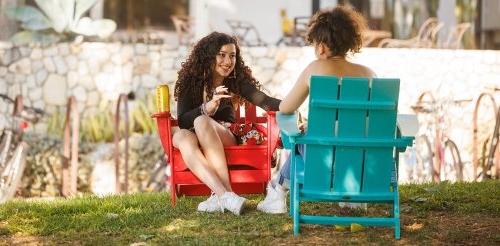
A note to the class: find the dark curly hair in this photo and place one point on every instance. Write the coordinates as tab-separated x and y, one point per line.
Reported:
338	28
196	72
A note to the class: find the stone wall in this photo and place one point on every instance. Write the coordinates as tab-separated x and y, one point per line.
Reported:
96	72
93	72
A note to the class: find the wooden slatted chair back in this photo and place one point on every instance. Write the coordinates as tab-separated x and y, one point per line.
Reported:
355	113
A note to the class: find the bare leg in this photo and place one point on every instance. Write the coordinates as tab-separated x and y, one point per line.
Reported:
213	137
187	143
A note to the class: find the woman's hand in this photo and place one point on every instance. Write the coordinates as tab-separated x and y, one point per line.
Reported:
302	123
303	127
219	93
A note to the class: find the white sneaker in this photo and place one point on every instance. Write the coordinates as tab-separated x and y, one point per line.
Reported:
212	204
275	201
232	202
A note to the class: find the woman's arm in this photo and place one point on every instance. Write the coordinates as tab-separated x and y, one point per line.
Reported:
298	94
259	98
186	111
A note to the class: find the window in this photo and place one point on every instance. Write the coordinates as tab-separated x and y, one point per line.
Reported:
144	14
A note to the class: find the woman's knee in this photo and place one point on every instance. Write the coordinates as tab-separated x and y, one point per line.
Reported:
184	137
202	123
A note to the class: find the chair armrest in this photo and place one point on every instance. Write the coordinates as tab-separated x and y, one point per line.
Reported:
408	140
289	129
164	124
288	124
407	128
273	131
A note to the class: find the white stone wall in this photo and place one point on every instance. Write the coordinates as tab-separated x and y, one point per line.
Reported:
95	72
90	71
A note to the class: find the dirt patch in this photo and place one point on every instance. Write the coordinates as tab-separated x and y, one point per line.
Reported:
435	228
20	240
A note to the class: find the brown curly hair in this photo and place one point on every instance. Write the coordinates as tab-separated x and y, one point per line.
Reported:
338	28
196	72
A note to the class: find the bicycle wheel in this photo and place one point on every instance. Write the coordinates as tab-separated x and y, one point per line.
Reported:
5	143
12	173
452	162
425	163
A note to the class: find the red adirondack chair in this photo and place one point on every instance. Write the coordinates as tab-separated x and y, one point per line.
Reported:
249	165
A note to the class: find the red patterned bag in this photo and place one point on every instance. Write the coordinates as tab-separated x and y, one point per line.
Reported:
248	134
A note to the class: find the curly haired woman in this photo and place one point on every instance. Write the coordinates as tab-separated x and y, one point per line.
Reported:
212	78
333	34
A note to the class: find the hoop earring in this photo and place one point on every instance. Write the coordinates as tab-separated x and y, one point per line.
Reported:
234	73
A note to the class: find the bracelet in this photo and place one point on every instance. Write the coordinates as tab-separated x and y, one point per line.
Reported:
203	109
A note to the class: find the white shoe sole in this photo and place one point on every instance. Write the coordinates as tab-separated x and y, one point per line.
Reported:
273	211
210	211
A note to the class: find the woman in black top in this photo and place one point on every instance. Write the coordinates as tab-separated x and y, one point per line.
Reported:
211	80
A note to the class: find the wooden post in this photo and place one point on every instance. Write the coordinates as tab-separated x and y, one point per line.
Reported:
70	150
122	97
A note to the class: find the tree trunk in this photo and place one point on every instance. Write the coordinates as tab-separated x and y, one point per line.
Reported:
7	26
97	12
130	15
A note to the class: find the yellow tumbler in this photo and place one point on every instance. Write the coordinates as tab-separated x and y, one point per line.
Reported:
162	98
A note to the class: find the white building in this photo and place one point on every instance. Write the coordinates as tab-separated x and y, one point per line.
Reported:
211	15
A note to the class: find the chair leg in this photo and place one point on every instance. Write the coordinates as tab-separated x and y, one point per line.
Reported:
292	182
397	223
292	196
173	194
296	208
397	231
279	41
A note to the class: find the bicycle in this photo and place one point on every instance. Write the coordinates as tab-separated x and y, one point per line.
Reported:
488	165
438	157
12	147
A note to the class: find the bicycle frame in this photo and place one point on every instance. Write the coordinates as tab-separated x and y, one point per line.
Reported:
441	142
13	175
12	148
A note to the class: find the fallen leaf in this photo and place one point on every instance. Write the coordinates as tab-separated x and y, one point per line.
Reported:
138	244
146	236
111	216
431	189
414	227
341	228
405	208
419	199
357	227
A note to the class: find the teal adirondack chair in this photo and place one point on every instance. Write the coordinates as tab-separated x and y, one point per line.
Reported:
351	149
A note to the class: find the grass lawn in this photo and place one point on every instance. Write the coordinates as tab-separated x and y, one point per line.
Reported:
464	213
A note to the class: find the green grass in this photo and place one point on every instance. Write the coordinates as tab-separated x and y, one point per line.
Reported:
465	213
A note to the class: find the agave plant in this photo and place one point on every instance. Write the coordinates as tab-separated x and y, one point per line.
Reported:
56	20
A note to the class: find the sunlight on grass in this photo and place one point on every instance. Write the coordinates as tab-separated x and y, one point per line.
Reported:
287	227
180	224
